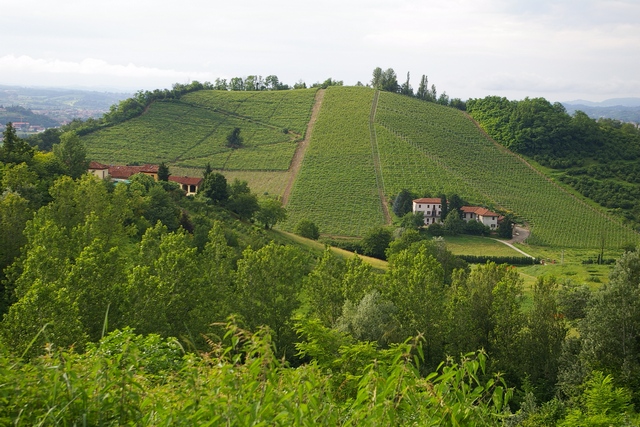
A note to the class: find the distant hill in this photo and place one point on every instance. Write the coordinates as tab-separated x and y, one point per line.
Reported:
623	109
364	148
613	102
61	105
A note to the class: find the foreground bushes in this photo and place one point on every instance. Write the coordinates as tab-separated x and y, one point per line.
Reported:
129	379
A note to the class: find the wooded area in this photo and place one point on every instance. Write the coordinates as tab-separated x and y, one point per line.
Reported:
88	265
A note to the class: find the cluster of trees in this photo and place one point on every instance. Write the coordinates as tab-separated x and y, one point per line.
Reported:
93	257
238	198
598	158
387	80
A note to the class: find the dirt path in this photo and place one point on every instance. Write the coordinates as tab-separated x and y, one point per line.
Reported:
298	156
520	234
514	248
376	158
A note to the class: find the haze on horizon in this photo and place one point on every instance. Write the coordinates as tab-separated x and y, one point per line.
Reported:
562	50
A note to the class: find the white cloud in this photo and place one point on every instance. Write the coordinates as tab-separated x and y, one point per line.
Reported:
25	70
89	66
465	46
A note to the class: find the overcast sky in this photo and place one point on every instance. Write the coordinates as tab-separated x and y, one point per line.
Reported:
562	50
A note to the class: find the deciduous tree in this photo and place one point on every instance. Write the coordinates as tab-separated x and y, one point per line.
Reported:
270	213
72	152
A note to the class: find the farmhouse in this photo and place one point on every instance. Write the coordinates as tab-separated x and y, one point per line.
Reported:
189	184
117	173
123	173
99	170
431	207
483	215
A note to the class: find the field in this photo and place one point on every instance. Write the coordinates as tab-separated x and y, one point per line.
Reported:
428	148
336	187
363	146
480	246
192	131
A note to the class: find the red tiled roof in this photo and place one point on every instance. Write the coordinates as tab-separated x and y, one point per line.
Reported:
96	165
186	180
478	210
124	172
435	200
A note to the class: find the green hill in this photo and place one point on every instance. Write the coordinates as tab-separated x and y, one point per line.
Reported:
365	147
192	131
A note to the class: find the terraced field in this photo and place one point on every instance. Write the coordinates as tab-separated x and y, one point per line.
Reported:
336	187
429	148
192	131
362	146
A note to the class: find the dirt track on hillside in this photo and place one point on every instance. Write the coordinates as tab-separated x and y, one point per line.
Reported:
298	156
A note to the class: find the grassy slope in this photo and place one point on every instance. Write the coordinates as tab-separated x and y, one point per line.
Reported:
421	146
192	131
336	187
429	148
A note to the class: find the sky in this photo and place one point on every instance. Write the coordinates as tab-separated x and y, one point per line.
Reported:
562	50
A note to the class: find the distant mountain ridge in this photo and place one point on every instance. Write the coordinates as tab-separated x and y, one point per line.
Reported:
613	102
623	109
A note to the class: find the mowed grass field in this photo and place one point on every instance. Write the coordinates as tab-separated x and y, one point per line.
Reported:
192	131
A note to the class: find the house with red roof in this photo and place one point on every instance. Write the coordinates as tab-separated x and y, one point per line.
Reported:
123	173
431	207
189	184
119	173
99	170
482	215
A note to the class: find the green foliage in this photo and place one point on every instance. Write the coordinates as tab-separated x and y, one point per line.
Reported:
14	214
324	293
603	405
234	140
163	172
485	313
453	224
268	283
415	285
270	213
412	221
214	187
130	379
611	327
573	300
308	229
543	336
511	260
403	203
242	201
371	319
14	149
505	227
476	228
376	242
72	153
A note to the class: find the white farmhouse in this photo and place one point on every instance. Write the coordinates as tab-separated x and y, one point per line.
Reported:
483	215
431	207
